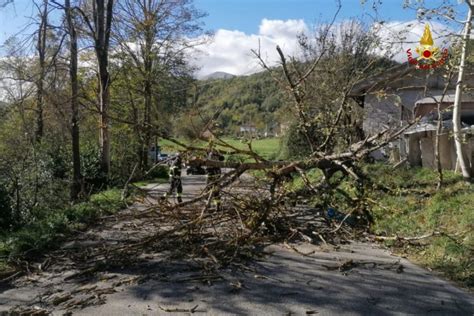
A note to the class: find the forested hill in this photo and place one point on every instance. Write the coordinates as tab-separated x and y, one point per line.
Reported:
253	100
256	100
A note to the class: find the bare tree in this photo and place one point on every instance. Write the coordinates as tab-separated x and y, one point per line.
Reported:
463	162
448	13
99	24
154	34
41	50
76	156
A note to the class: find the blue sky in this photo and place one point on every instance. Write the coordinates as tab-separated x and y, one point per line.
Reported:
242	25
246	15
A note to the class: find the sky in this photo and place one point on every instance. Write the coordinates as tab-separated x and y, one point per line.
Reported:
242	25
246	15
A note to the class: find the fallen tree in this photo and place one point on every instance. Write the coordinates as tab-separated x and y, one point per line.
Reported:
258	203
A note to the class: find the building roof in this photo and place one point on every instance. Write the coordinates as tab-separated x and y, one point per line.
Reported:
423	127
432	126
427	107
382	78
448	98
409	76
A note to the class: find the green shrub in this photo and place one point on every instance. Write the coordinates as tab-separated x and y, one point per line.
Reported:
6	213
296	144
94	178
40	235
236	158
159	172
48	231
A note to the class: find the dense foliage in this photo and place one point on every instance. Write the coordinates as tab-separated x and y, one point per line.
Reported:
253	101
49	104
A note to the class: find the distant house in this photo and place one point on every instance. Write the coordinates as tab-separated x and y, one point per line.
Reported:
284	127
154	152
398	95
207	134
247	130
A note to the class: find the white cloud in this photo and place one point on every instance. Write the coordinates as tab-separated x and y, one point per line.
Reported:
397	37
282	29
230	51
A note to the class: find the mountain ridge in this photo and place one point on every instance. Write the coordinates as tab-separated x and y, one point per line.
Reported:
218	75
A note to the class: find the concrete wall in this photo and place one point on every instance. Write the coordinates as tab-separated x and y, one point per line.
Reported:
397	106
421	150
383	112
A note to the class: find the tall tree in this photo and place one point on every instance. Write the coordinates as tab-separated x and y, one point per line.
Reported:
463	162
39	82
154	34
76	156
99	23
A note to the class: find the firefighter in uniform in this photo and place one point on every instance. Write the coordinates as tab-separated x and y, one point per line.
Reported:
175	179
213	174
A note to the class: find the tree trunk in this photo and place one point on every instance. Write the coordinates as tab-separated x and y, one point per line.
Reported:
41	48
465	169
76	154
439	130
147	53
103	21
147	124
104	140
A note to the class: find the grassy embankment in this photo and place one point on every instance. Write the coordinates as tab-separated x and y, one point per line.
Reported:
405	204
414	207
49	229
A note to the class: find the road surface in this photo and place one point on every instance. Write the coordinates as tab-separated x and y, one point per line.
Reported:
284	282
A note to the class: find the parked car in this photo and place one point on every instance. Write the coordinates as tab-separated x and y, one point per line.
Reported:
195	170
162	157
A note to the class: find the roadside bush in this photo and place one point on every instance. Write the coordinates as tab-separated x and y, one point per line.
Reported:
49	231
33	182
6	213
159	172
93	177
295	143
236	158
39	235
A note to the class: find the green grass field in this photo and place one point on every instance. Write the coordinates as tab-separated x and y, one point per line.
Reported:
267	147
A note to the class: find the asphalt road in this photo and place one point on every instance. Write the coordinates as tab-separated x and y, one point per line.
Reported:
283	283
